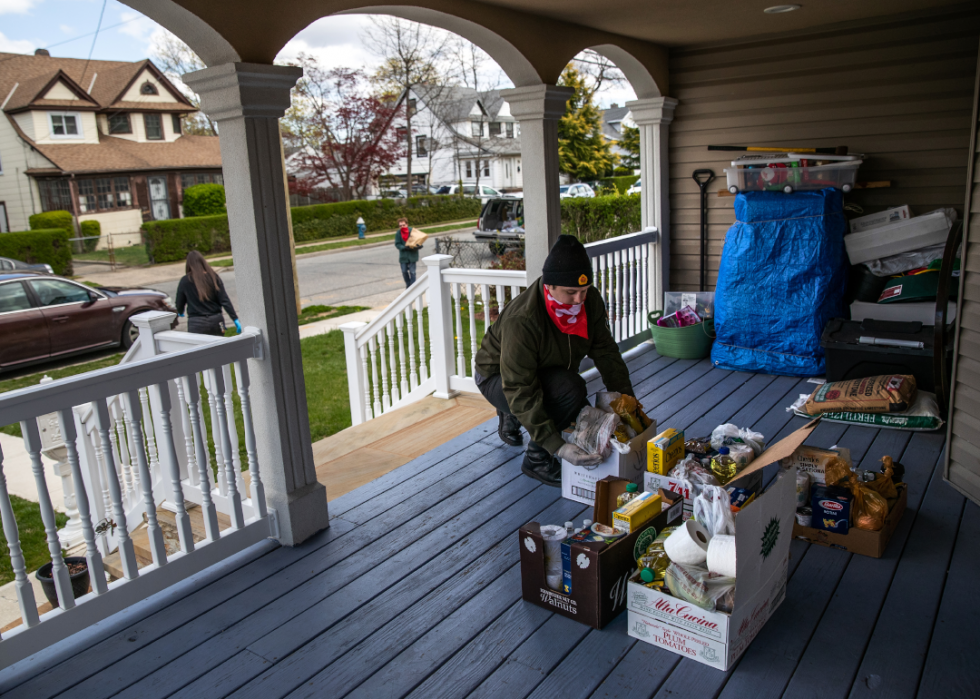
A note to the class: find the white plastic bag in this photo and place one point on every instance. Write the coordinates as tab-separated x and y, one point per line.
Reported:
699	586
728	431
713	510
692	475
593	430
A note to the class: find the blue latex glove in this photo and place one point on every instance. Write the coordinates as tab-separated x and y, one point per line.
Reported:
238	327
180	315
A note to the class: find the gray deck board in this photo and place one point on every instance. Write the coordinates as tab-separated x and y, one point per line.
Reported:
414	591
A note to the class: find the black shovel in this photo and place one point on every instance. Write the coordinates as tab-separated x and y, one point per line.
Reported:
703	185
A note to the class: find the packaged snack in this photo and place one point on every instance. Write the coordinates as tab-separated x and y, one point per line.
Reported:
893	393
637	512
699	446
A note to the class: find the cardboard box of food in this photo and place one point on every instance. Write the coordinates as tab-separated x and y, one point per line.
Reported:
654	481
578	482
860	541
599	570
763	532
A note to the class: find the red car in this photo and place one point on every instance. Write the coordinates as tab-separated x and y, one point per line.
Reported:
46	317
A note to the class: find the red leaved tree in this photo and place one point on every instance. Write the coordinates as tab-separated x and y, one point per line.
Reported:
344	133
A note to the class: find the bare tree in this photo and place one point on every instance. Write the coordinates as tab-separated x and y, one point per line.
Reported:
598	71
174	58
411	54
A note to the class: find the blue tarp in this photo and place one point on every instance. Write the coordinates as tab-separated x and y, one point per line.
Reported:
782	276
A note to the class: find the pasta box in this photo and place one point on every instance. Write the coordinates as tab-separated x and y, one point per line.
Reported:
578	482
598	570
763	531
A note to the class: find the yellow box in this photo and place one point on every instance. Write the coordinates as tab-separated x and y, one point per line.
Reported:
637	512
664	451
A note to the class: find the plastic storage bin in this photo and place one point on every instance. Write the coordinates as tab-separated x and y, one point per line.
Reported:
791	173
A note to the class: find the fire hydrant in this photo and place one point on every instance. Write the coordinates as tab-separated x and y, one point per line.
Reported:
361	228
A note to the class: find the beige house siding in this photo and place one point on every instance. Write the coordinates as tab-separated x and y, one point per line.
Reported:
899	91
17	190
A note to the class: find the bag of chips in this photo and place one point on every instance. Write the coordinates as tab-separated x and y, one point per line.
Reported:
893	393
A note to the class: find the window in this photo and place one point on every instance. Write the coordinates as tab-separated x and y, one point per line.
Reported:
65	125
54	292
154	127
469	189
476	129
402	133
490	191
469	168
486	168
55	195
494	128
119	123
86	196
175	122
13	297
411	107
420	146
148	88
189	179
104	194
510	129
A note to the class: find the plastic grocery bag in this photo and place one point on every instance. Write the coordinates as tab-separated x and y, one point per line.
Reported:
593	429
698	586
869	509
721	435
713	510
693	475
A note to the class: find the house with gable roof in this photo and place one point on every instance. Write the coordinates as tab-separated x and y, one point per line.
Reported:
101	139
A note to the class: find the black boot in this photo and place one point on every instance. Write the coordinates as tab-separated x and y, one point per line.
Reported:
509	429
542	466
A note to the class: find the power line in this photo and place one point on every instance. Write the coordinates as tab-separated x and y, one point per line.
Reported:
82	36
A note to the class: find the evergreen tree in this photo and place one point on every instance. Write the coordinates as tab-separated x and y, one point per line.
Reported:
630	142
583	151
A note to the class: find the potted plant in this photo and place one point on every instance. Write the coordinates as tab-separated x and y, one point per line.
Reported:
77	571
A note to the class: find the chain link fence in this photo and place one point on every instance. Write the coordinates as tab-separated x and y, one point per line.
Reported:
468	254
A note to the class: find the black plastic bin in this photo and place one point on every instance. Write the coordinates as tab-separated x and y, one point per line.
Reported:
849	359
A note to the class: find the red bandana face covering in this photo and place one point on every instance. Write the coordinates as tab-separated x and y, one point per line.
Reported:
405	232
570	318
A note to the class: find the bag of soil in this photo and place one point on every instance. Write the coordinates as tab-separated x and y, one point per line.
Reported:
892	393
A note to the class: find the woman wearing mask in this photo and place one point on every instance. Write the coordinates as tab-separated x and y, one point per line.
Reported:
408	257
202	292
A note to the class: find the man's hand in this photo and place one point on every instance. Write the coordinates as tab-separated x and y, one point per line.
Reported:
578	456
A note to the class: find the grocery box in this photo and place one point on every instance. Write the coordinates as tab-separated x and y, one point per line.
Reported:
578	482
665	450
763	532
901	236
859	541
654	481
882	218
599	570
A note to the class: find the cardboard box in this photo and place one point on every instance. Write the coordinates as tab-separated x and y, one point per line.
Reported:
859	541
654	482
763	532
898	237
664	451
599	571
578	482
882	218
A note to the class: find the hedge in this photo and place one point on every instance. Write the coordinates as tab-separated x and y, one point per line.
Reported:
53	219
620	183
600	217
39	246
170	241
90	229
204	200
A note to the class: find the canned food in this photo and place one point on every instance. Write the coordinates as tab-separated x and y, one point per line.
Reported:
804	516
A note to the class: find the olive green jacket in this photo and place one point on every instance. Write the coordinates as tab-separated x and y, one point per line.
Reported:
525	340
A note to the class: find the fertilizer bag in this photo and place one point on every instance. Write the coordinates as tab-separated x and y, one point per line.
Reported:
781	278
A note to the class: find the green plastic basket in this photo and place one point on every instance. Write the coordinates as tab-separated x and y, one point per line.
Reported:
691	342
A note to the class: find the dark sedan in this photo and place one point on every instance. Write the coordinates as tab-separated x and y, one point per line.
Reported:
46	317
8	263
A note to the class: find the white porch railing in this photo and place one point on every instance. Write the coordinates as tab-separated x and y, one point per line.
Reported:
426	341
134	438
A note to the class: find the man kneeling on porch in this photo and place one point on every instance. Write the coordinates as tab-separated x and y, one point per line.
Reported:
527	366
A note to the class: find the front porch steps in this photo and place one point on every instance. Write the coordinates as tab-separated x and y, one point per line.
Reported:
360	454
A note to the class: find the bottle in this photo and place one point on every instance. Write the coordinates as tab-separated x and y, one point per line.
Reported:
630	494
569	528
724	466
653	563
586	523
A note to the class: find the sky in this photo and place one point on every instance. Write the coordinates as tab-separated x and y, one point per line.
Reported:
67	28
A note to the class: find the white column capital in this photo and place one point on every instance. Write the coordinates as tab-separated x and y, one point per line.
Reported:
233	90
652	111
537	101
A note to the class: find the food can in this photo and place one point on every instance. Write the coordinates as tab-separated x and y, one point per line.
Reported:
804	516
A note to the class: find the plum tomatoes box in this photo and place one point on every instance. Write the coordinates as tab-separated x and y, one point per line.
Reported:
599	570
763	532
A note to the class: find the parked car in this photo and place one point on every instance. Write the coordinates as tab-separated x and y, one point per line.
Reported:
501	223
7	264
575	191
634	188
471	190
46	317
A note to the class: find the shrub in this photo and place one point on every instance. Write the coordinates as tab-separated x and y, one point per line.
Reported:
204	200
93	230
620	183
39	246
53	219
170	241
601	217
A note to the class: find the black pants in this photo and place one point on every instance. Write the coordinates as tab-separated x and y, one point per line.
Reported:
565	395
206	325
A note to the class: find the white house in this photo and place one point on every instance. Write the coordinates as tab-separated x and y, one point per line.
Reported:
101	139
614	120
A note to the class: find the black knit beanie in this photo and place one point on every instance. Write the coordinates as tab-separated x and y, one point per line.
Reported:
567	264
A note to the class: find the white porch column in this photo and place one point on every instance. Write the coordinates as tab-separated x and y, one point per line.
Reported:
653	116
538	109
247	100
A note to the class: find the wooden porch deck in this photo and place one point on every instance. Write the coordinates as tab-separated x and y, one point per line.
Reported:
415	589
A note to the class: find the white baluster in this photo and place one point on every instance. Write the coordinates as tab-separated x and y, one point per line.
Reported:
169	463
375	379
62	581
192	398
383	354
132	401
413	375
25	591
501	299
633	329
485	299
121	440
515	291
457	295
151	440
367	384
619	295
390	332
235	498
236	456
192	472
204	429
645	284
401	354
93	438
127	429
257	490
423	361
213	401
472	301
127	555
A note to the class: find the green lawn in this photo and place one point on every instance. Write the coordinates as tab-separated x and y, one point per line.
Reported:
32	541
131	256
